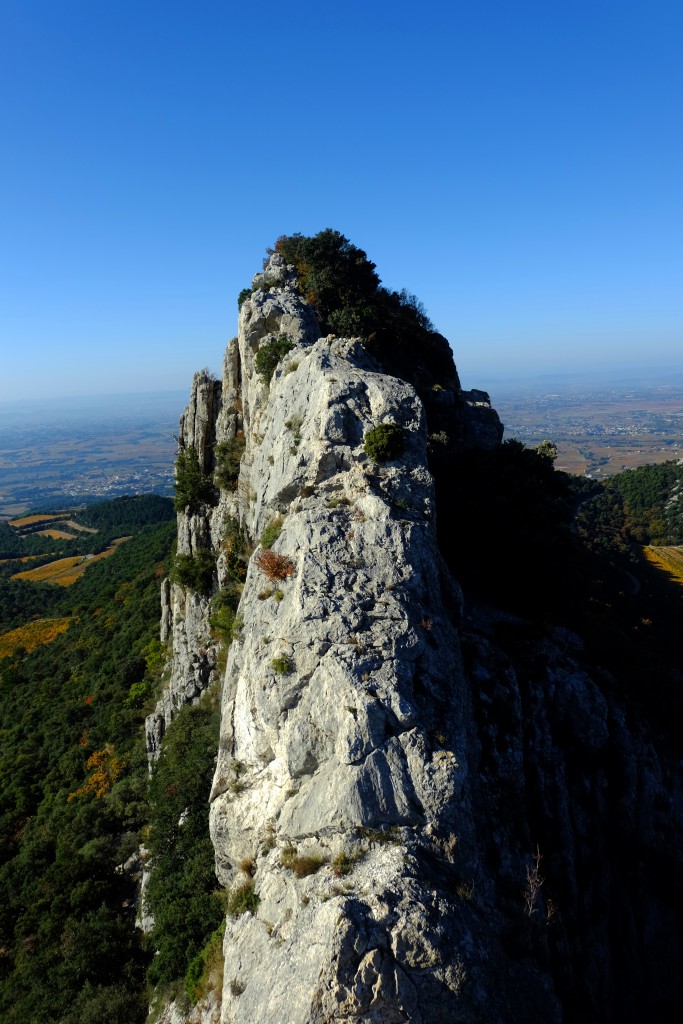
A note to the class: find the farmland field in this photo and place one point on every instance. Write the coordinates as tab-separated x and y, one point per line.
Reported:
668	558
31	520
33	634
78	526
65	571
59	453
600	428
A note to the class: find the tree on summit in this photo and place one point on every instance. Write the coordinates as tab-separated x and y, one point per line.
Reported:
340	282
335	277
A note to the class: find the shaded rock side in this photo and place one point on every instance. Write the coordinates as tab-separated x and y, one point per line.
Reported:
566	773
341	809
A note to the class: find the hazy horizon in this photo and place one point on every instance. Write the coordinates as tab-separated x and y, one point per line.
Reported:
150	403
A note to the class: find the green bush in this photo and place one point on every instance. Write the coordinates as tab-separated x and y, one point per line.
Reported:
283	665
269	355
340	282
222	620
384	442
228	455
243	296
193	487
223	613
271	532
194	572
197	978
336	277
242	899
182	892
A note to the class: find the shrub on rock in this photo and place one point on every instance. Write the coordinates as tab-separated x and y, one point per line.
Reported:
384	442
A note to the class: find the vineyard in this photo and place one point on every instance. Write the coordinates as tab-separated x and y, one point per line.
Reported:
31	520
65	571
33	634
668	558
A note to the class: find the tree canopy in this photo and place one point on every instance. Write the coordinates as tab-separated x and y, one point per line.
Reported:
341	283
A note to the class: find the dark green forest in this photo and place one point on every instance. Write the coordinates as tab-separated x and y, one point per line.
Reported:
76	801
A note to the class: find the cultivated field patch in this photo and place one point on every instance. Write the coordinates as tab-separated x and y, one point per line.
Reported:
65	571
31	520
31	635
668	558
77	526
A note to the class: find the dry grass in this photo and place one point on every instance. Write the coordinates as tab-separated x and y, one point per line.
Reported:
56	534
302	865
32	635
66	571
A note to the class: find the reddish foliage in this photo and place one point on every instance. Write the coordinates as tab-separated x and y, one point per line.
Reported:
276	567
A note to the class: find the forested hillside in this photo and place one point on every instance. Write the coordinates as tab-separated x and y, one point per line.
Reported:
73	777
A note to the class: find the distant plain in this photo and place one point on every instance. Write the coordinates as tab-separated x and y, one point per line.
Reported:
69	451
75	450
600	426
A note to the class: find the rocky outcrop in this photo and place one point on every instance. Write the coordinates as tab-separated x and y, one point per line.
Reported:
185	614
482	425
565	774
342	790
419	811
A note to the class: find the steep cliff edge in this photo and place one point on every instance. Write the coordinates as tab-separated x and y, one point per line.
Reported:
185	614
389	771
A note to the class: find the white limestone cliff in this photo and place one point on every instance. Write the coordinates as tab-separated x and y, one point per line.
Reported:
375	807
345	722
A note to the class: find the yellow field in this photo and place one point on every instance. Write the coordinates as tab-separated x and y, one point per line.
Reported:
51	572
30	520
56	534
32	635
66	571
670	559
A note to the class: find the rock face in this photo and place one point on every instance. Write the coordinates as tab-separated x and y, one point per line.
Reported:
184	614
335	688
391	785
342	782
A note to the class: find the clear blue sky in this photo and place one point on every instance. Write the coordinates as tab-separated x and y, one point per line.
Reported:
518	164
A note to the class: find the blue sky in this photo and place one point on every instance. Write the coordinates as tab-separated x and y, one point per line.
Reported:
518	165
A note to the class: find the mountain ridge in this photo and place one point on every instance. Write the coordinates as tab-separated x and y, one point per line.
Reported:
428	763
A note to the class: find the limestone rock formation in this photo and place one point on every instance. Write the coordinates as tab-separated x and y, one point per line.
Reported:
386	772
184	614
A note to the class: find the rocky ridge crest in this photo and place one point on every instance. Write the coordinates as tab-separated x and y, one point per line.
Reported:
385	769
